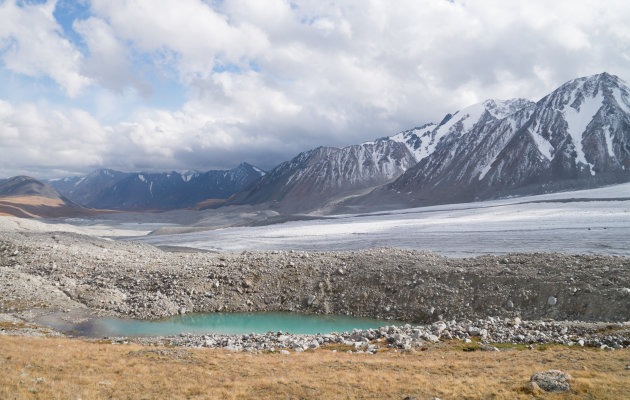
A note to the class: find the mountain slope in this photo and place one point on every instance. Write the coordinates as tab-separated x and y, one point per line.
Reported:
23	196
321	177
318	176
155	191
576	137
87	189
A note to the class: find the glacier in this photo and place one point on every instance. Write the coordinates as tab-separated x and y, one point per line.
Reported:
595	221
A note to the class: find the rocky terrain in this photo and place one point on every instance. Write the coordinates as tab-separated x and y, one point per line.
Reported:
42	273
484	332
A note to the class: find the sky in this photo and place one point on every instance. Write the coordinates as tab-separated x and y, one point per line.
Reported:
144	85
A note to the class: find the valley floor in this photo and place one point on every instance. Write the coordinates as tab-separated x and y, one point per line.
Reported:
469	304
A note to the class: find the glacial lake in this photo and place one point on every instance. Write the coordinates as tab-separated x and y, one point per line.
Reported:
225	323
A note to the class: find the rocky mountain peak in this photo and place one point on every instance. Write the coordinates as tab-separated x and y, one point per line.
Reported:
503	108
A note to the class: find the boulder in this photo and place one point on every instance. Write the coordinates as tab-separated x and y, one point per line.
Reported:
551	381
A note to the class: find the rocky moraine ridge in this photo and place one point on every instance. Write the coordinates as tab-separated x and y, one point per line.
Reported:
455	297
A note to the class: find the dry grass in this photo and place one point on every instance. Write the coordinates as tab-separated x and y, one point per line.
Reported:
59	368
43	207
15	211
33	201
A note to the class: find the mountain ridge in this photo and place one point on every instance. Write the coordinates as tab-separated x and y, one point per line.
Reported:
315	177
576	137
106	188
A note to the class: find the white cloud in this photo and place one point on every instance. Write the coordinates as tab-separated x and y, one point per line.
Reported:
190	28
110	61
39	140
31	44
269	79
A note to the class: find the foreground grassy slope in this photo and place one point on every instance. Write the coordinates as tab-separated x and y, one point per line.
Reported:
59	368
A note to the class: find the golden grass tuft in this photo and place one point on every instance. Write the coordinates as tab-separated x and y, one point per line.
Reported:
60	368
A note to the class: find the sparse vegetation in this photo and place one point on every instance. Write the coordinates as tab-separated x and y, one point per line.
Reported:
51	368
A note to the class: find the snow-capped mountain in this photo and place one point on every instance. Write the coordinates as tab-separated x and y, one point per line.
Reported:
109	189
316	177
576	137
326	175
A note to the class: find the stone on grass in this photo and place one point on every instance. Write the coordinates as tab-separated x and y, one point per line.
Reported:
551	381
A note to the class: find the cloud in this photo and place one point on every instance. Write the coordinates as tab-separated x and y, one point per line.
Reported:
197	36
49	141
31	44
266	80
110	61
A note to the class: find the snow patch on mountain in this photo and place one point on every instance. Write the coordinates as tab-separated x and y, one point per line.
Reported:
504	108
485	170
609	142
414	140
622	100
260	171
470	116
578	119
544	146
188	175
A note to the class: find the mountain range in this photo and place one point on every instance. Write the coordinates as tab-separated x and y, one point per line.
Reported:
576	137
316	177
115	190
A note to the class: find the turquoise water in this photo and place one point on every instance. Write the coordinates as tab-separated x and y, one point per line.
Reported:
229	323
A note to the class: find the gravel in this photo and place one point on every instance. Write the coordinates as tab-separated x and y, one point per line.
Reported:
44	272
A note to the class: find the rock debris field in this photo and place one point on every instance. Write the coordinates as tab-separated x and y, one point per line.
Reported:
581	300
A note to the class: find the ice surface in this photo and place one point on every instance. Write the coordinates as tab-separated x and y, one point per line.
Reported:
592	221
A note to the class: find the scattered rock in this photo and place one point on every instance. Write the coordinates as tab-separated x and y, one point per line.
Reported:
552	301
